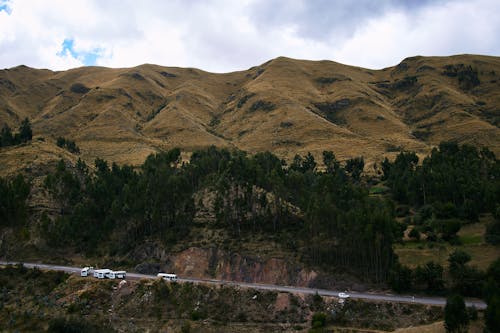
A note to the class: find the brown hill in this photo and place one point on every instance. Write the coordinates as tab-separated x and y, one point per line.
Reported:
285	106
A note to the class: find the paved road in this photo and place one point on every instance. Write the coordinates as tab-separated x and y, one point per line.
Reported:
440	301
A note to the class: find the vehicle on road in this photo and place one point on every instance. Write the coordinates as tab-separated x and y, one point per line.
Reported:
343	295
86	271
116	275
101	273
168	277
104	273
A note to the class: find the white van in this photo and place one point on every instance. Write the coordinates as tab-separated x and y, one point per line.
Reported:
168	277
85	271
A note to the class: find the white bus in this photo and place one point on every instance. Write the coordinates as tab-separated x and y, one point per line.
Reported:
116	275
101	273
168	277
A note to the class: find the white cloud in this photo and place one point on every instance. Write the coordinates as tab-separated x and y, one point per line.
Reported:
226	35
450	28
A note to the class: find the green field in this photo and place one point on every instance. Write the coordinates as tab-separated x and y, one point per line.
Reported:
413	253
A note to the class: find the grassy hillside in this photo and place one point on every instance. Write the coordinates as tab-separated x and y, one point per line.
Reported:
285	106
235	214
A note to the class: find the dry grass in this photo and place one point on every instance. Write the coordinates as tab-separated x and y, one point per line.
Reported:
129	113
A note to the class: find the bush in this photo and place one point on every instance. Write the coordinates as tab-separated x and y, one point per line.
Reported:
473	315
414	234
198	315
75	325
492	235
262	105
445	210
186	327
318	320
400	278
68	144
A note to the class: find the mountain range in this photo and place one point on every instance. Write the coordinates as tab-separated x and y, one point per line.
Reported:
285	106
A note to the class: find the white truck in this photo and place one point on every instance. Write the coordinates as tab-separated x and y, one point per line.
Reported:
104	273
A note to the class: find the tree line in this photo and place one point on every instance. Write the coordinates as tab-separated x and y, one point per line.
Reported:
452	186
327	217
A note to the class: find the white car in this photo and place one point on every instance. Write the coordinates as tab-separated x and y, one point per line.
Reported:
343	295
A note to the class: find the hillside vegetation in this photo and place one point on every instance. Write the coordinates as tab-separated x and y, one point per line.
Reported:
285	106
37	301
292	172
327	221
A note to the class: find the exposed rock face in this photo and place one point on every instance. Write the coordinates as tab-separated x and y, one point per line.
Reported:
215	263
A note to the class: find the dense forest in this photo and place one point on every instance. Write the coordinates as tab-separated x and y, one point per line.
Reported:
328	216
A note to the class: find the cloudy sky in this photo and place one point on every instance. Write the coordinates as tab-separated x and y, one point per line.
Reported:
228	35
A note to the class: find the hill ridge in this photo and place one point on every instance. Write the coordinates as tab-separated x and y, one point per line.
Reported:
284	105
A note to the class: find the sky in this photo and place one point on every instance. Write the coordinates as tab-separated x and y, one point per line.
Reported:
230	35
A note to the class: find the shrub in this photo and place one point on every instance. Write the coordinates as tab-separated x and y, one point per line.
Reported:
492	235
414	234
400	278
68	144
75	325
244	99
79	88
186	327
262	105
318	320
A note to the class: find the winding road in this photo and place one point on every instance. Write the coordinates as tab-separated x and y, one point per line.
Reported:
439	301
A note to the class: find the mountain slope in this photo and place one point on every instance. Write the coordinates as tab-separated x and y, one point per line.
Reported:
286	106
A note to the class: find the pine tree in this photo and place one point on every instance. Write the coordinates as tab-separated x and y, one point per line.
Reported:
456	318
25	132
6	137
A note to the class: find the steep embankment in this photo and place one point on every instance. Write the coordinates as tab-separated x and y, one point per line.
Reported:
36	301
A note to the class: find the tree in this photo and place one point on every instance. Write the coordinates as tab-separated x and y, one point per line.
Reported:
355	166
400	278
25	132
465	279
456	318
330	162
492	313
431	274
492	235
13	195
6	136
492	296
457	261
